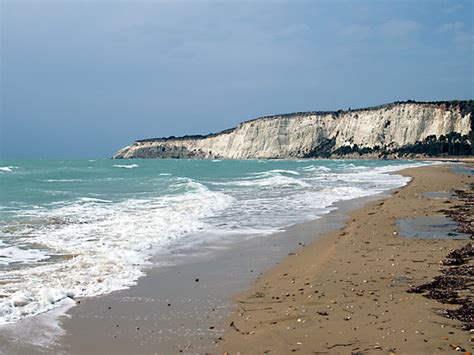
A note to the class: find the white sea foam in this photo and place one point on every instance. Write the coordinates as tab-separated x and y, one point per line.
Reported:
43	331
315	168
13	254
110	243
64	180
93	199
131	166
8	169
266	180
275	172
272	182
283	171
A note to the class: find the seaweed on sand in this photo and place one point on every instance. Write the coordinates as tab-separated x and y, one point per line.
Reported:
456	284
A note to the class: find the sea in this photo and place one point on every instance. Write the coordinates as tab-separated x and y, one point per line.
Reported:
82	228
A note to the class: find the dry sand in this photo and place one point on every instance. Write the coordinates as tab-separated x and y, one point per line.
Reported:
347	291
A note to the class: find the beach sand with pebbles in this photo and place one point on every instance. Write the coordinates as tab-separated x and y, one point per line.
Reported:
347	292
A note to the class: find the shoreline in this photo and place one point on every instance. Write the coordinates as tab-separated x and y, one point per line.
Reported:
168	310
156	306
168	321
352	296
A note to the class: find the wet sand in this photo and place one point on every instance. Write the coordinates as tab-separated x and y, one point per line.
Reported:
347	291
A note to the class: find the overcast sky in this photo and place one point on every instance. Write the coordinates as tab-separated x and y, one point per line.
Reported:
84	78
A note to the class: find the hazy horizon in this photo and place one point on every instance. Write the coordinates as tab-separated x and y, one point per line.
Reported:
83	79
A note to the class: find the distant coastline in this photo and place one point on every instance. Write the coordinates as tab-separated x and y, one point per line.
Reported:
405	129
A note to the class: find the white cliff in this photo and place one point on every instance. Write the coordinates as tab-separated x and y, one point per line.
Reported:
378	131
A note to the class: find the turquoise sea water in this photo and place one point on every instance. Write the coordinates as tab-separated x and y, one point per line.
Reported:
82	228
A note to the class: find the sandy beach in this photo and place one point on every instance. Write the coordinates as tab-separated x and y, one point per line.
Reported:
337	284
347	292
168	310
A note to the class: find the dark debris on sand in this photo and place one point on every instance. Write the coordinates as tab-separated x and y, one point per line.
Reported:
464	213
456	284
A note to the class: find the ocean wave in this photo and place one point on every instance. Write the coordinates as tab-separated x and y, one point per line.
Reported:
111	244
131	166
283	171
350	165
315	168
64	180
379	178
273	172
308	168
8	169
273	182
13	254
266	180
93	199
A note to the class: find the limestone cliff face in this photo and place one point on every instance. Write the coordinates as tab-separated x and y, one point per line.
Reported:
378	131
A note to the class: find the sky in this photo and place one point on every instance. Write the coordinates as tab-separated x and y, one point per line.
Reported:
81	79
